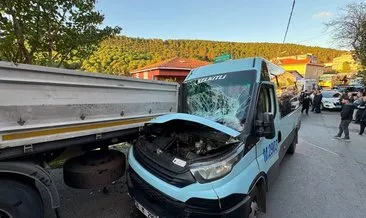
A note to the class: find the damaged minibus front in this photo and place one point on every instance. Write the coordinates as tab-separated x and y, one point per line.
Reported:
216	157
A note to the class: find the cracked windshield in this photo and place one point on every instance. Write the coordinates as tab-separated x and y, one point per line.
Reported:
182	109
223	98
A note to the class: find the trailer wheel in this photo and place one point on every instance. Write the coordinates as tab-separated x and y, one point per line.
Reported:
19	200
94	169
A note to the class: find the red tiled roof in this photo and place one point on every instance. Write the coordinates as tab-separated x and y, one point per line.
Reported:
174	63
294	61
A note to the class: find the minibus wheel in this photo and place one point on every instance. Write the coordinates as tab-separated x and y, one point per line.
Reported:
292	148
254	207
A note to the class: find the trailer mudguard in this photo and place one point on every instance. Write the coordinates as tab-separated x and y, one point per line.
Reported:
35	172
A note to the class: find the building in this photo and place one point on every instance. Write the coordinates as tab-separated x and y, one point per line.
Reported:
288	78
346	64
327	80
328	67
309	56
306	65
175	69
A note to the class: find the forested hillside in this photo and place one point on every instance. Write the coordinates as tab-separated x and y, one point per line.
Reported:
120	55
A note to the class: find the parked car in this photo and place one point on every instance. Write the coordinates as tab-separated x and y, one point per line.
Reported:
354	88
331	100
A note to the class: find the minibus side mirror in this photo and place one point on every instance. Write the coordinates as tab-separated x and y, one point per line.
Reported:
265	127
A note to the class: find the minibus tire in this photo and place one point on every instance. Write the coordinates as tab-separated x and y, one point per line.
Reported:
254	196
20	200
292	148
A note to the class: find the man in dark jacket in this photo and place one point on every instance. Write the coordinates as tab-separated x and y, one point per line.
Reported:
306	101
302	95
346	118
318	101
359	107
363	117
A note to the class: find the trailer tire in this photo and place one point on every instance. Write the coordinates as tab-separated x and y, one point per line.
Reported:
19	200
94	169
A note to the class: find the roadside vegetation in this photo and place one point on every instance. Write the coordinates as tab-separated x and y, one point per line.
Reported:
69	34
121	54
349	30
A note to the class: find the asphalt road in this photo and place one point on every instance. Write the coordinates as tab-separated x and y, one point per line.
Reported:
326	177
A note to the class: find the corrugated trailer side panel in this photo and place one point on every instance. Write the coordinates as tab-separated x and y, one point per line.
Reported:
40	104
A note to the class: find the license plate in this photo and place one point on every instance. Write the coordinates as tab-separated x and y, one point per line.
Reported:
145	211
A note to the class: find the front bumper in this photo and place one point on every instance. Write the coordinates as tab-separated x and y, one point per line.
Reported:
330	105
158	203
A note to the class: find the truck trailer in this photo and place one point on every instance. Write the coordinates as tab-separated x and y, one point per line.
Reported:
47	112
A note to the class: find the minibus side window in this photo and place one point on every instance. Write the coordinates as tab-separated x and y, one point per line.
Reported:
272	100
289	102
264	72
264	104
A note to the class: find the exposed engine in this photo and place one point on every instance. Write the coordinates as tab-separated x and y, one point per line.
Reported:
186	145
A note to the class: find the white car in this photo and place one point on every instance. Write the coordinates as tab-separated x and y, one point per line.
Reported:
331	100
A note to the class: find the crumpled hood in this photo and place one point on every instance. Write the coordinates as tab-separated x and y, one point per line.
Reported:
196	119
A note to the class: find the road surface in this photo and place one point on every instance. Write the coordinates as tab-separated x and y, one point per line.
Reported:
326	177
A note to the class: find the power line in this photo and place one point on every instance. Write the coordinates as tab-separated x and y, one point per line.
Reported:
289	21
312	38
288	25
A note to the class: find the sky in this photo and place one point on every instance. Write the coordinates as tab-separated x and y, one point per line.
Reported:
225	20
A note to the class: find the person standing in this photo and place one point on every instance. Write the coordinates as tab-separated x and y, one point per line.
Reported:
306	101
346	119
312	95
362	116
302	96
355	103
359	107
318	101
350	97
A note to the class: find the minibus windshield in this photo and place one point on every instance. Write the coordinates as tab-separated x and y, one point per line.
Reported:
224	98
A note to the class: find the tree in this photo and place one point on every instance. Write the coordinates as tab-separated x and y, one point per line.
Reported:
362	74
349	29
346	67
121	54
50	32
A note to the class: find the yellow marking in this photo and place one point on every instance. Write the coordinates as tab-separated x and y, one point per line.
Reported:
76	128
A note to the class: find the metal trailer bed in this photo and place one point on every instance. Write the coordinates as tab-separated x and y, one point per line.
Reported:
43	109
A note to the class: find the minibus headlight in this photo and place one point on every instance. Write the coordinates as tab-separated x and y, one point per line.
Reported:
205	172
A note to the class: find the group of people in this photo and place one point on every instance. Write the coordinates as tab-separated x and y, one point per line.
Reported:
354	108
313	98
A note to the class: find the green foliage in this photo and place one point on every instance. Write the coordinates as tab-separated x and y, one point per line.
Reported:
362	74
50	32
346	68
349	29
120	55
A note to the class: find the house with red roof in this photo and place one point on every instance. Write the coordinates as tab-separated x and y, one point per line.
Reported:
172	69
306	65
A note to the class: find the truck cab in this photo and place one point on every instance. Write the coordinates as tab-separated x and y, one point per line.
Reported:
218	156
